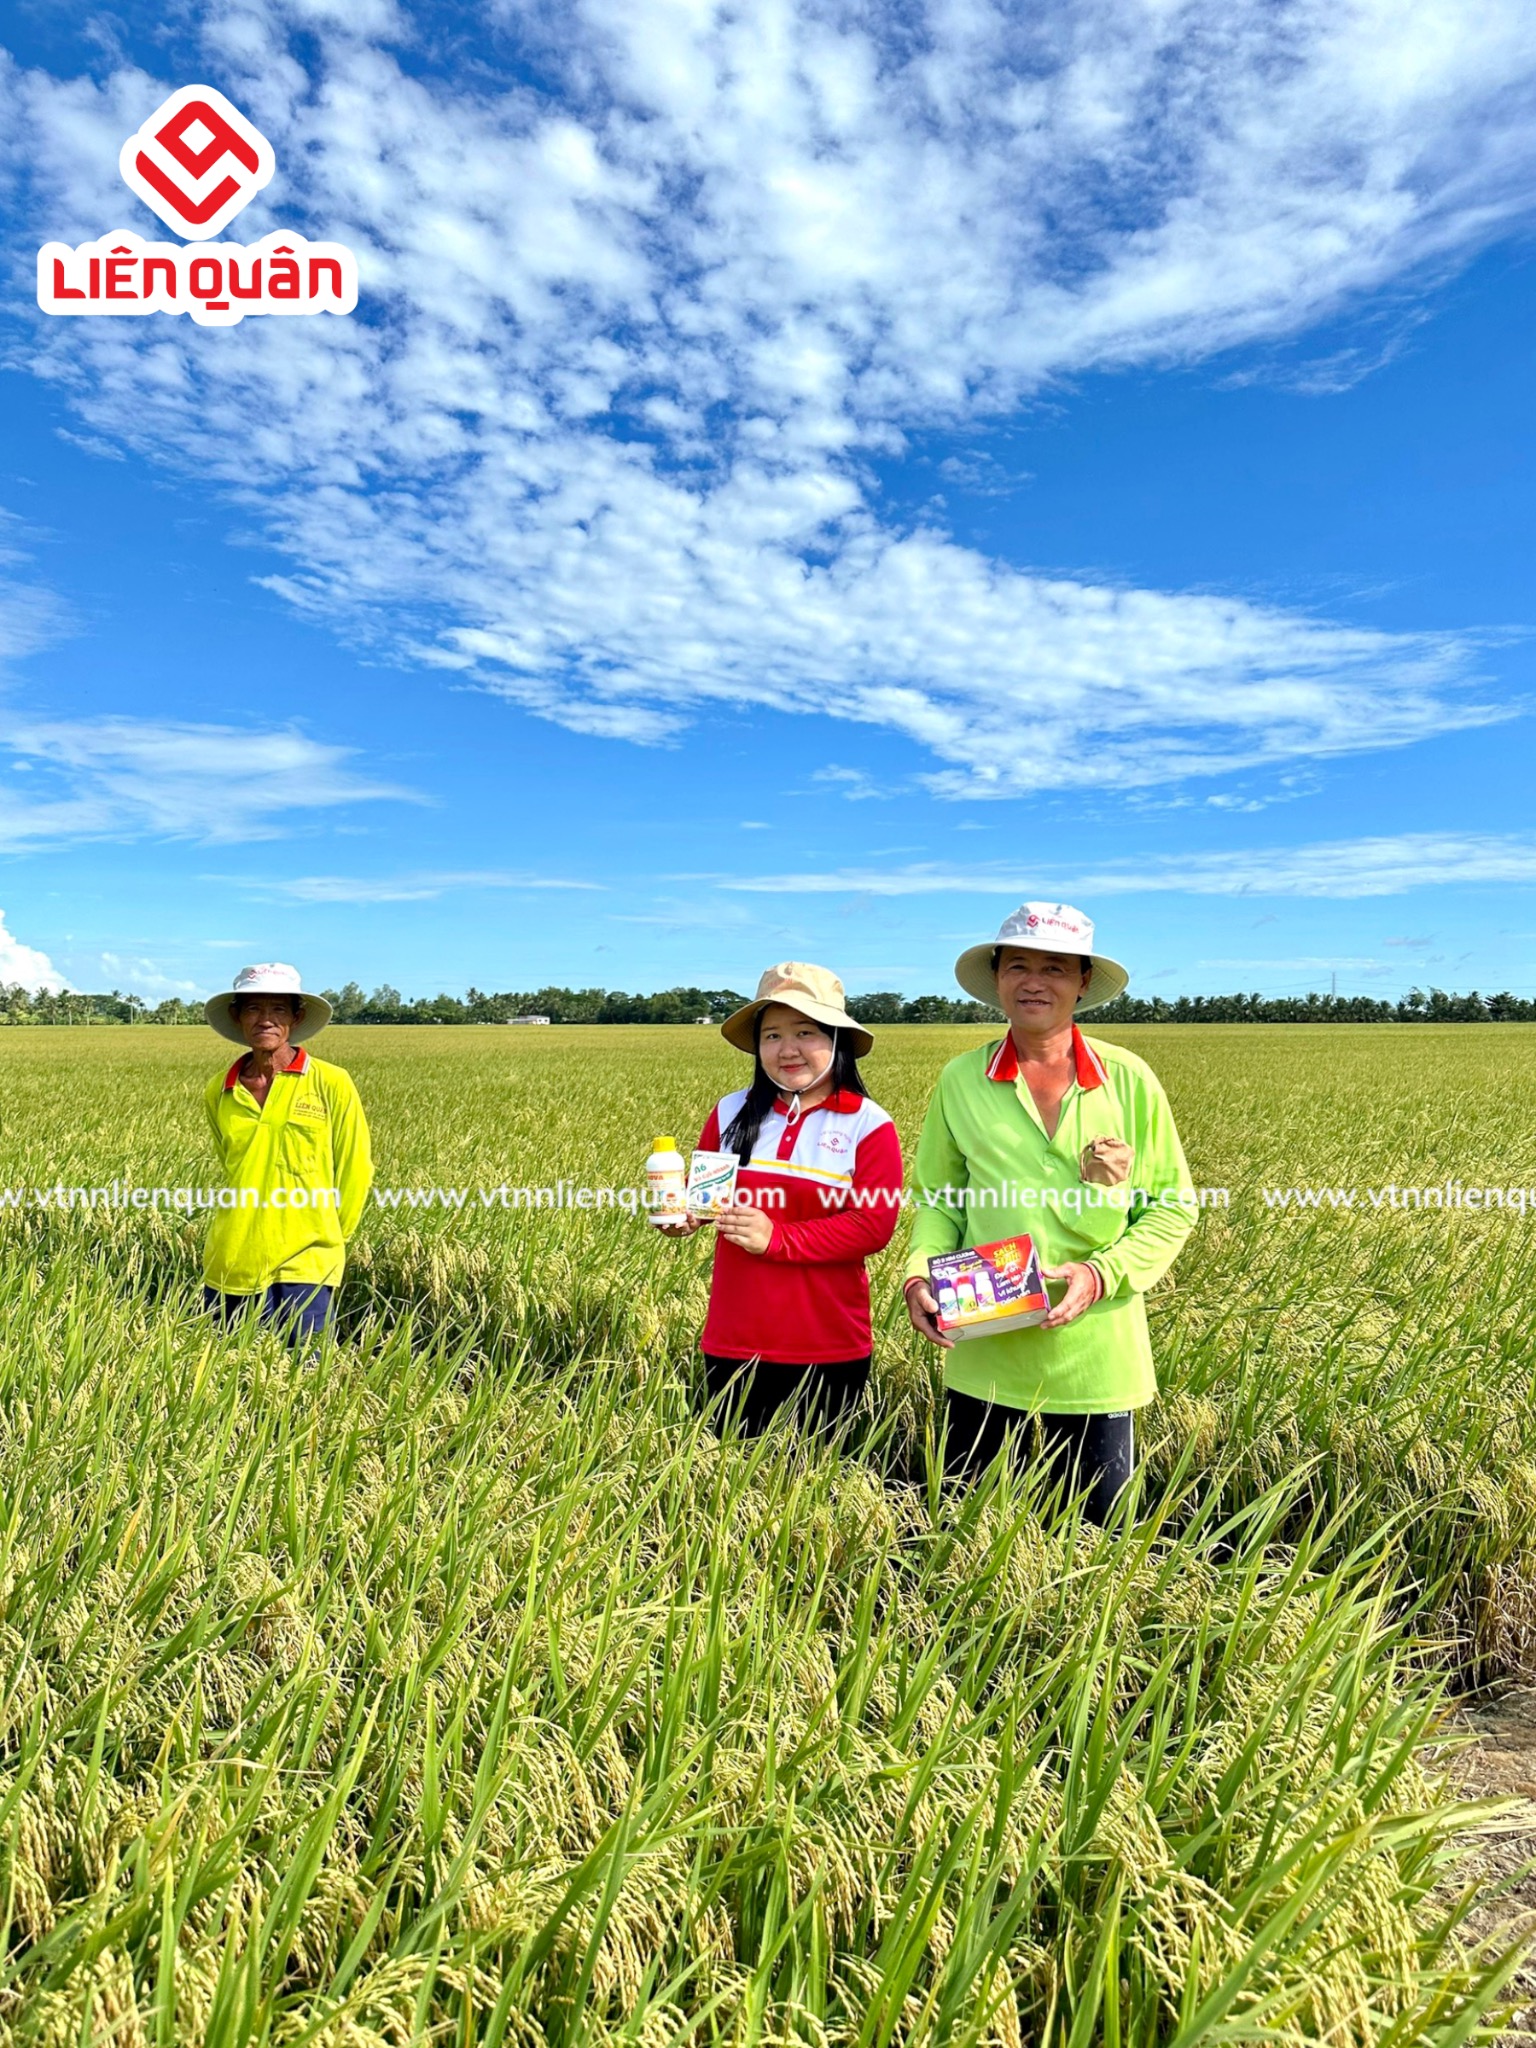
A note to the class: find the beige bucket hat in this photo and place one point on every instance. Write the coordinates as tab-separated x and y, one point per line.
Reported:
814	991
272	978
1049	928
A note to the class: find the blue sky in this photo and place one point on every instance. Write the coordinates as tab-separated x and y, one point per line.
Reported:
797	481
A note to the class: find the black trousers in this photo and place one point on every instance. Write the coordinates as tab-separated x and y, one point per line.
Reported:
1093	1454
298	1308
753	1390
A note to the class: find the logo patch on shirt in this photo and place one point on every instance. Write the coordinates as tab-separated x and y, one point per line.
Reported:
835	1141
309	1112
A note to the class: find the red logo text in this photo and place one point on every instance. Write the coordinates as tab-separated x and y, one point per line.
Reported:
196	162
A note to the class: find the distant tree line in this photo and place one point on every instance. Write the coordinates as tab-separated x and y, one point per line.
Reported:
1414	1008
613	1006
69	1006
888	1008
386	1005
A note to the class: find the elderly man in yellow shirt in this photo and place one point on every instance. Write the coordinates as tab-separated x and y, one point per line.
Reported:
293	1141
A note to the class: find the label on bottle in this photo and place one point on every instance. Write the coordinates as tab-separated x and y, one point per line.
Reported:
667	1188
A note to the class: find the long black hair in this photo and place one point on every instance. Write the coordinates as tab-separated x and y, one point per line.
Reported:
740	1135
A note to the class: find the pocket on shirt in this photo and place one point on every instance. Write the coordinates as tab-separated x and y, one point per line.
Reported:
1106	1162
305	1153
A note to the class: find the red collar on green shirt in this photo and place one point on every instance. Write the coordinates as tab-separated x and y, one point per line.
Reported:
1004	1063
842	1101
296	1065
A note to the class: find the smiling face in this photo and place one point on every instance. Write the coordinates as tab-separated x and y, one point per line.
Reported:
795	1051
1039	991
266	1021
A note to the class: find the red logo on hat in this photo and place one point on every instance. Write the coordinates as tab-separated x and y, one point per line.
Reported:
197	161
1032	918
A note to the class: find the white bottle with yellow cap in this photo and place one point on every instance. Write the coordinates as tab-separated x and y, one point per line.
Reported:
666	1184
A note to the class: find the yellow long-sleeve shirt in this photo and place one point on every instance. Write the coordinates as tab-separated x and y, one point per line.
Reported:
299	1168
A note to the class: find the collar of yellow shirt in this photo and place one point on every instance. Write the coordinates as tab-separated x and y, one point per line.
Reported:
299	1064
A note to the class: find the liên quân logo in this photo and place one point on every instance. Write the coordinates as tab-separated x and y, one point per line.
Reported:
196	162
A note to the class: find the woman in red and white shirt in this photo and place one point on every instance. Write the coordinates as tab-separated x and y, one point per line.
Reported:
819	1192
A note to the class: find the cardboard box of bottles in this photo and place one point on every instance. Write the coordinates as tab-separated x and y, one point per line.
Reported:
987	1288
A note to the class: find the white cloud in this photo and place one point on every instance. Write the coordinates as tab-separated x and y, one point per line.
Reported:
852	784
691	913
1308	963
1390	865
26	964
419	888
64	779
140	977
599	443
117	778
30	615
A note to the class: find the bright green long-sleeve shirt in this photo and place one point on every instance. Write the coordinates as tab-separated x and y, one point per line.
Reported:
985	1170
299	1167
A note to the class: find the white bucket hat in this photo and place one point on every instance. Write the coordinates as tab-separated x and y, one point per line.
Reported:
1048	928
272	978
814	991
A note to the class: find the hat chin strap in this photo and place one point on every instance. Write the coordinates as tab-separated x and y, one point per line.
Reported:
796	1093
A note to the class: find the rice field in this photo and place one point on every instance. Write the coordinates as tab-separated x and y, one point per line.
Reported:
457	1684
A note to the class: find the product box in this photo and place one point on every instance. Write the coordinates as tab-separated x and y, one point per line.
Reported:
711	1183
988	1288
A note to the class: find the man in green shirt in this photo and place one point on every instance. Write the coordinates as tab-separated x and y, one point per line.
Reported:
293	1141
1070	1141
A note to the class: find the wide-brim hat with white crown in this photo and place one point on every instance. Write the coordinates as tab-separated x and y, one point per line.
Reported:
1047	928
814	991
272	978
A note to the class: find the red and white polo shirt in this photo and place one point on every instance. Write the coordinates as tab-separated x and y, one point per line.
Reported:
835	1173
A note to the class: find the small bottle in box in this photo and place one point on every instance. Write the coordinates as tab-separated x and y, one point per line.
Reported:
987	1288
